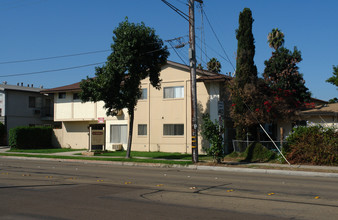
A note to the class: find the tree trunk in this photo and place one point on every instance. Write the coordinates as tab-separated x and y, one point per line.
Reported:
130	135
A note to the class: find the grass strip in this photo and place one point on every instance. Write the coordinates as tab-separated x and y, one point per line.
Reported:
44	151
100	159
157	155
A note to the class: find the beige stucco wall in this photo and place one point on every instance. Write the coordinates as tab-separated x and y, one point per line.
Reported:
154	112
75	135
57	136
73	110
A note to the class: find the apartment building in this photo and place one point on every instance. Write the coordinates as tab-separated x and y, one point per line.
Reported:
22	105
162	117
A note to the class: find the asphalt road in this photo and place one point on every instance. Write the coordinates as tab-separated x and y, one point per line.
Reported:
35	189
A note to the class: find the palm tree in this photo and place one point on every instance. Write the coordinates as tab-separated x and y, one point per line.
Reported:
214	65
276	38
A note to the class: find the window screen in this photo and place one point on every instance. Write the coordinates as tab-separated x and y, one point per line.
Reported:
173	129
118	134
173	92
142	129
144	94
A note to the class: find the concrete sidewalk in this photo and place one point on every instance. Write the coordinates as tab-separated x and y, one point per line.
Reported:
268	168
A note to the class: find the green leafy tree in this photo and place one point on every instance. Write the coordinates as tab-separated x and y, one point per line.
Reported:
334	79
214	65
246	76
137	53
212	132
276	38
286	85
334	100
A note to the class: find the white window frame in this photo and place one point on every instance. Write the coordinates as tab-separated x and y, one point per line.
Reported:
173	92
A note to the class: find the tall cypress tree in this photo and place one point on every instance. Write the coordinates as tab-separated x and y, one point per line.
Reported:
246	70
246	74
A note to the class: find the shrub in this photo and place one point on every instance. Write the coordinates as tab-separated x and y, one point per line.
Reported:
256	152
30	137
212	132
312	145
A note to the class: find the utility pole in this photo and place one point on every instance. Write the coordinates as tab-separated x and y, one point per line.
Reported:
192	61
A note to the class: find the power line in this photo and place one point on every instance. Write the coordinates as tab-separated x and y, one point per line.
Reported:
200	47
177	52
220	55
218	39
178	11
49	71
54	57
62	69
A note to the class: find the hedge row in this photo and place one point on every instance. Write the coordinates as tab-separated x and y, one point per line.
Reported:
30	137
312	145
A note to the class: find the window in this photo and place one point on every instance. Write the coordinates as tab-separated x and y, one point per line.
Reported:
76	96
173	129
38	102
31	102
173	92
144	94
118	134
142	129
62	95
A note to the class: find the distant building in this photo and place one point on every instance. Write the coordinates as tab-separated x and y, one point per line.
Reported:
24	106
321	113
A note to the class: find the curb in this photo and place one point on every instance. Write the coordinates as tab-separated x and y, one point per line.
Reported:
269	171
190	167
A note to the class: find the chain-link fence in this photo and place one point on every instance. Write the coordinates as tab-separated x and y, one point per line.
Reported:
240	146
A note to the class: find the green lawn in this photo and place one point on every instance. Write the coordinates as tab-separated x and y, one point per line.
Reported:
153	155
184	163
44	151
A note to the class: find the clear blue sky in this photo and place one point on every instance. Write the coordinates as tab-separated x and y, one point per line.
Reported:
33	29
